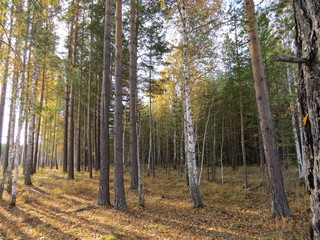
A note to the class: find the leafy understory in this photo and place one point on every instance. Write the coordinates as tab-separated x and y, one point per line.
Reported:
57	208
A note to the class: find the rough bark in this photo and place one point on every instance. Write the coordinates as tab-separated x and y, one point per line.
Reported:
72	97
104	191
65	132
307	16
279	203
89	144
133	96
38	123
120	200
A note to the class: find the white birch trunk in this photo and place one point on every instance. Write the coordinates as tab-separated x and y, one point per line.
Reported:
189	131
300	160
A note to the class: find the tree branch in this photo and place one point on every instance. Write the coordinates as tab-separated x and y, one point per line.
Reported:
290	59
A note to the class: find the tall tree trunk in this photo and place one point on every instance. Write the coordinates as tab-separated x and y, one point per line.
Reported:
65	132
204	140
29	157
243	148
150	158
308	45
133	96
214	147
221	152
97	129
89	112
120	200
194	187
4	83
72	97
53	160
297	141
78	146
38	122
279	203
12	120
104	192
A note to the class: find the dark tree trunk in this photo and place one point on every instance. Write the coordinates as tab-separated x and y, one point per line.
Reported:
38	123
279	203
133	96
72	97
104	189
120	200
307	16
89	144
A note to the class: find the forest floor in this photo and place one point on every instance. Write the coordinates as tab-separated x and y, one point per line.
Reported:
56	208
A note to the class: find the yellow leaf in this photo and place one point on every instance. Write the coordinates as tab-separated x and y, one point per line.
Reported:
305	119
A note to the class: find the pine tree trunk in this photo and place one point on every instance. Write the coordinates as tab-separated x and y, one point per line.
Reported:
133	96
104	192
38	123
72	97
78	146
279	203
89	113
308	45
120	200
65	132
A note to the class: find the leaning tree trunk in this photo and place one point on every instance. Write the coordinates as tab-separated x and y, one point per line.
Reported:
279	203
308	45
194	187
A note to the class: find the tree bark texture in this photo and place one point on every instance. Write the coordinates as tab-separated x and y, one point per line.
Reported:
104	188
120	200
31	126
279	203
133	96
307	17
72	97
4	84
194	187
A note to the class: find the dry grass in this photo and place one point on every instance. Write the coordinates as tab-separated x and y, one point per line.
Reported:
47	210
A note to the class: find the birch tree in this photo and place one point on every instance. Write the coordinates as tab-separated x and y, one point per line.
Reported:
194	186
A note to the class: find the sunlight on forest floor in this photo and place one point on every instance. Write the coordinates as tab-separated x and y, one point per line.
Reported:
48	210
